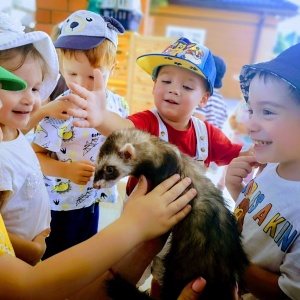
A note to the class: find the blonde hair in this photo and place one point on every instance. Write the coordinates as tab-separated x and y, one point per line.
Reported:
104	55
24	51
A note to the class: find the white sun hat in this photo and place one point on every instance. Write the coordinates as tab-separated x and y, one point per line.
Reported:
12	35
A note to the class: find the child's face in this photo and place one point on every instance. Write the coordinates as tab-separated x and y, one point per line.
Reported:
18	106
79	70
177	92
274	121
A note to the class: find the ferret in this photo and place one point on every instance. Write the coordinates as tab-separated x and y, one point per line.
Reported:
205	243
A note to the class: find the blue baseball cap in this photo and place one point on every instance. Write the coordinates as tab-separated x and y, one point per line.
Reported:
185	54
285	66
84	30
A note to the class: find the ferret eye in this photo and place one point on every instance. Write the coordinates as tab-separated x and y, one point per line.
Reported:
110	170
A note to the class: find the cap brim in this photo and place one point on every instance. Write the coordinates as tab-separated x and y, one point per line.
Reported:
151	62
276	67
78	42
11	82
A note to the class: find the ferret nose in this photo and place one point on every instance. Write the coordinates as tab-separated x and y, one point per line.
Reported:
96	186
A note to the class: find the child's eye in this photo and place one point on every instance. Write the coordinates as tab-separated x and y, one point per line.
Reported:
267	112
166	81
187	87
35	89
91	77
250	111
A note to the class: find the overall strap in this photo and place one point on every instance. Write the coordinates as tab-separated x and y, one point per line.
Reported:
201	135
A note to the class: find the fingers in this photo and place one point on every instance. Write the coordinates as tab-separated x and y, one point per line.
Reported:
98	80
193	290
179	209
141	188
176	190
167	184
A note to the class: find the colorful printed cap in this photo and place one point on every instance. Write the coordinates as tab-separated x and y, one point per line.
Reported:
185	54
84	30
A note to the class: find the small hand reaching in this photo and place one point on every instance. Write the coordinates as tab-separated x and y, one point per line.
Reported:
90	105
80	172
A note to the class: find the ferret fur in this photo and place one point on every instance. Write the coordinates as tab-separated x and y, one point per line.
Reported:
206	243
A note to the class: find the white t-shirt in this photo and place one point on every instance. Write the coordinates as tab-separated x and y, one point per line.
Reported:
268	211
26	210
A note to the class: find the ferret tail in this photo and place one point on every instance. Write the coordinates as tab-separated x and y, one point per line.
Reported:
119	289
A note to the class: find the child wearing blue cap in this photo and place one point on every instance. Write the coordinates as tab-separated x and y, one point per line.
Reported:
66	153
184	75
268	207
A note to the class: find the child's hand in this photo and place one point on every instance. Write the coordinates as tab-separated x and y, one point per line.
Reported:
40	246
92	104
57	109
158	211
249	152
237	170
30	251
80	172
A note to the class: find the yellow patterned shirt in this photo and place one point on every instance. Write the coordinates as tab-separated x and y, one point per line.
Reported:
5	244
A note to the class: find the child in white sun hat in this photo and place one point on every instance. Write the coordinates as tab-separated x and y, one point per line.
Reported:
25	204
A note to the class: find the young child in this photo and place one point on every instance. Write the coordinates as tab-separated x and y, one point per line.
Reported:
215	110
25	203
268	207
184	76
87	41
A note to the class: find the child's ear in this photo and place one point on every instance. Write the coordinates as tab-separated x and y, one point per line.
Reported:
204	100
154	84
111	72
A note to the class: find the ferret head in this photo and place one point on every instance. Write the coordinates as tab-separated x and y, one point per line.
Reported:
116	159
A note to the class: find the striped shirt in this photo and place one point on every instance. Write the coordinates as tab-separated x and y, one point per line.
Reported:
215	110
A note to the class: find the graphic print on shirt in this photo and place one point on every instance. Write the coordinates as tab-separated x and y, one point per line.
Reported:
63	134
62	187
40	129
85	196
89	145
265	216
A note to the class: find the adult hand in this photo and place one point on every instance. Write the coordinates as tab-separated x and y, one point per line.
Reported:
193	290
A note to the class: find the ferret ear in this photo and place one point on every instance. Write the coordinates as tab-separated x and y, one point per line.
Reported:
127	152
